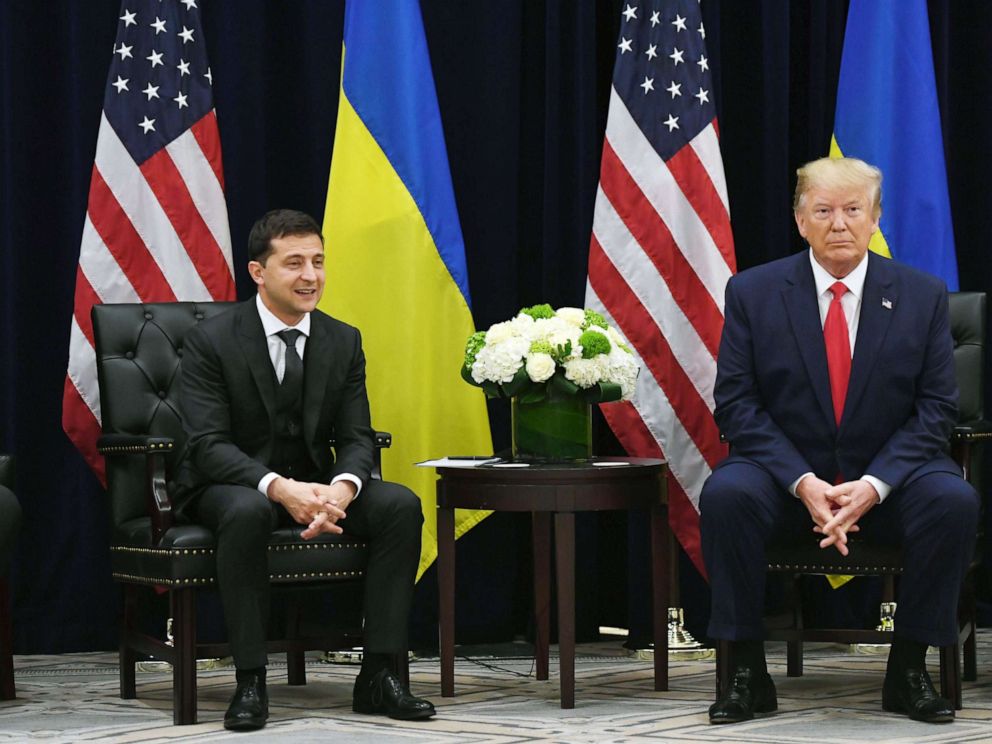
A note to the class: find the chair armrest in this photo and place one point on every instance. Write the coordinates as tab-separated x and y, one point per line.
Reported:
973	431
133	444
382	440
157	501
963	436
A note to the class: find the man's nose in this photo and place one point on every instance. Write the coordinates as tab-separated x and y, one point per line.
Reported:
838	221
309	272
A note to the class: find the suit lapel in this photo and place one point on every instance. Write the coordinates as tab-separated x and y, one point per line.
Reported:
803	312
316	369
256	352
872	327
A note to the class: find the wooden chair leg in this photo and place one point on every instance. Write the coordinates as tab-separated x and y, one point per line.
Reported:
183	602
950	674
296	670
126	656
794	659
970	672
6	644
724	662
794	649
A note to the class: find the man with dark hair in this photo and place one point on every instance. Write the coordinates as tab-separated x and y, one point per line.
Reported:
264	387
836	390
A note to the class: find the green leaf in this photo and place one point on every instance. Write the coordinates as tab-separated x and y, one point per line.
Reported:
603	392
467	376
518	384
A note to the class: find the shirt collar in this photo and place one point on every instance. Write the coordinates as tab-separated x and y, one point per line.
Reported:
272	325
855	281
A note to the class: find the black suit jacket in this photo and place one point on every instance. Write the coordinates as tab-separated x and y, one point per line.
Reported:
228	396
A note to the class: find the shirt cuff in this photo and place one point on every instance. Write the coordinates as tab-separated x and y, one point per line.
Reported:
263	485
883	488
351	479
796	482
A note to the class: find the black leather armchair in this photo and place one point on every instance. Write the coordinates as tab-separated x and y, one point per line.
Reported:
139	354
10	523
967	315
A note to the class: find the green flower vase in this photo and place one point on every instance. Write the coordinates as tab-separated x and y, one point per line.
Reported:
553	430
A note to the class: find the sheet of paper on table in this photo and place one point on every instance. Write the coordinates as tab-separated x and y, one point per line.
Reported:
458	462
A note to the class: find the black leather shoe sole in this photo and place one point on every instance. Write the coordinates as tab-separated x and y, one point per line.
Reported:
739	715
399	715
895	706
244	724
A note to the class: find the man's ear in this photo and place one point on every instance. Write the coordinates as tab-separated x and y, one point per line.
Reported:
255	269
800	223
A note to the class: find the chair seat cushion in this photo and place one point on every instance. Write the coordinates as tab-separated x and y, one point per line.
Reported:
808	557
185	556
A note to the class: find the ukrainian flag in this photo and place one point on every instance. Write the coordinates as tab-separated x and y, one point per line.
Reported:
395	256
887	115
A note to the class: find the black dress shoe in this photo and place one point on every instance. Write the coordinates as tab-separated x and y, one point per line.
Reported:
749	692
911	692
384	694
249	708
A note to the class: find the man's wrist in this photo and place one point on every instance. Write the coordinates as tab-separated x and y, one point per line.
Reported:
882	488
265	485
794	488
349	478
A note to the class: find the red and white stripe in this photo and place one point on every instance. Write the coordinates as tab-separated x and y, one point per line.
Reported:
660	257
157	232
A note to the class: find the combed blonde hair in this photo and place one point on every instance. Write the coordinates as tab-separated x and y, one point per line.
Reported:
836	173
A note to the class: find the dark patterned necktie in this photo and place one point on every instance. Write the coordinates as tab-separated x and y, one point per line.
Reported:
292	378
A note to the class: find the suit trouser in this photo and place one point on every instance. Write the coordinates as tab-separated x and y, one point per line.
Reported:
934	518
387	515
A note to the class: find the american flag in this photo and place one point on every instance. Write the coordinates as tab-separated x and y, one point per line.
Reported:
662	250
156	225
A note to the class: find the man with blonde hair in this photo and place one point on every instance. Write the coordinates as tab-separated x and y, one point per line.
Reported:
836	390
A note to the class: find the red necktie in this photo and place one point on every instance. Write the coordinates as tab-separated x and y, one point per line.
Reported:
838	342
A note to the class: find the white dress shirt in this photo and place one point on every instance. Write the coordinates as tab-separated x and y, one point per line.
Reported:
851	302
277	354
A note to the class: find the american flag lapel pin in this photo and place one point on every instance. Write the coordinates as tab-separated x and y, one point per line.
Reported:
886	303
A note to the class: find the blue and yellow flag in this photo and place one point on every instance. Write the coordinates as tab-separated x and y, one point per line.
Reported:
887	115
395	257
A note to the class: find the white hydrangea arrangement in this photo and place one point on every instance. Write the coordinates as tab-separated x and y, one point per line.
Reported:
543	352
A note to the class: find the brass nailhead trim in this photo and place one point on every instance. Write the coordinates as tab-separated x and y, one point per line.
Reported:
122	449
805	568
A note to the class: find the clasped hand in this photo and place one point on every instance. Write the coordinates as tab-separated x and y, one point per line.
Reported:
317	505
836	509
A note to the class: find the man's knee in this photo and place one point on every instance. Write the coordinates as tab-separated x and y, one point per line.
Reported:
948	497
249	512
405	502
724	496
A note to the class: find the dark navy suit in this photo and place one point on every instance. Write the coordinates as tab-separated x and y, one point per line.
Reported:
773	405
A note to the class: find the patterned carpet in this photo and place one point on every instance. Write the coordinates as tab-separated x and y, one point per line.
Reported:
73	698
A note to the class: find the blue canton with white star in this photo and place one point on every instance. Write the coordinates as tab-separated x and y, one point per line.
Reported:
662	72
160	81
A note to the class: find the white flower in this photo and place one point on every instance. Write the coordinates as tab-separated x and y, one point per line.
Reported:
615	338
499	332
499	362
572	315
522	325
557	332
583	372
623	371
540	366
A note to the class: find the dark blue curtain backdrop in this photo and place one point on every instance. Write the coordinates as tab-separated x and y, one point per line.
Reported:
523	87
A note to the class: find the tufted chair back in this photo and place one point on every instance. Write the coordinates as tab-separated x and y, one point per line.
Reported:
139	366
967	311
